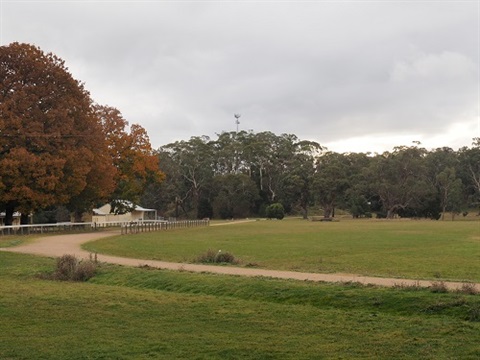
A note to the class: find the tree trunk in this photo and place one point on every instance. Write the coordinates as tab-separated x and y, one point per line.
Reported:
9	210
305	212
261	179
327	212
390	213
24	219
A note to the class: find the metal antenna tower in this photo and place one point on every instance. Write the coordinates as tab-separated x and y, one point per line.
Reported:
237	122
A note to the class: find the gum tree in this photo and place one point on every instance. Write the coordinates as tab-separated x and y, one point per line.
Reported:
399	178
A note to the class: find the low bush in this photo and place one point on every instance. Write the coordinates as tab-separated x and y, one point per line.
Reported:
84	270
216	257
468	288
69	268
438	287
408	287
275	211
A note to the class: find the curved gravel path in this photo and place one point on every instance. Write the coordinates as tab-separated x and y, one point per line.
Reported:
58	245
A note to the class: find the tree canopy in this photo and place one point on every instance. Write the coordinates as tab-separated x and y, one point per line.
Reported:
53	144
204	177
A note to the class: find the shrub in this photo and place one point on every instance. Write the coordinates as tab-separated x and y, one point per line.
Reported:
225	257
474	313
85	270
216	257
275	211
408	287
468	288
65	267
438	287
69	268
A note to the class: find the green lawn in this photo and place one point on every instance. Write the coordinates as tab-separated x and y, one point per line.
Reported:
15	240
399	248
133	313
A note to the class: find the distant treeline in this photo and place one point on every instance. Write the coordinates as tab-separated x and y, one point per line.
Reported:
240	174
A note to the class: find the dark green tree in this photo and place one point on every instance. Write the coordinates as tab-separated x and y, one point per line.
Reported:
399	179
330	181
469	172
275	211
450	188
235	196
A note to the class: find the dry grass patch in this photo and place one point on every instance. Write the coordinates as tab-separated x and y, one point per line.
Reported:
69	268
217	257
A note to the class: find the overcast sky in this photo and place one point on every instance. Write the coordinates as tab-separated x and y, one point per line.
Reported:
351	75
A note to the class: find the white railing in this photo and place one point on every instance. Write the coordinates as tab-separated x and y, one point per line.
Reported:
136	227
44	228
130	227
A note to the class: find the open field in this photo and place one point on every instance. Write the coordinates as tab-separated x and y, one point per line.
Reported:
15	240
139	313
399	248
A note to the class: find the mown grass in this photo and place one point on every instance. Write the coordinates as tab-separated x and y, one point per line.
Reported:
15	240
134	313
409	249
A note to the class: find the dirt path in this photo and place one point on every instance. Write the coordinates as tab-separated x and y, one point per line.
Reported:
54	246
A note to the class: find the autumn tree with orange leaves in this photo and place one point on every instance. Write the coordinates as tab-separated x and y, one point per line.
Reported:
56	148
135	163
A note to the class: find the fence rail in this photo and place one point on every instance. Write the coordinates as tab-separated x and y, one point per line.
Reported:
147	226
132	227
45	228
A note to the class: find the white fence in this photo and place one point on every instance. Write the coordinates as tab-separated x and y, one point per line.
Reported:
136	227
133	227
45	228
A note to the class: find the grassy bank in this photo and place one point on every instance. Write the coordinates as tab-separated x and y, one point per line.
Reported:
411	249
133	313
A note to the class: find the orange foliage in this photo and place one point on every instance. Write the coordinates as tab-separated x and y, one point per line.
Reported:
50	141
131	153
56	147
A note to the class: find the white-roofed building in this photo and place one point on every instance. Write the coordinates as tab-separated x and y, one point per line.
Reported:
104	214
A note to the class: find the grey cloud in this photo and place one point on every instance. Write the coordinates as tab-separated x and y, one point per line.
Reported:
324	71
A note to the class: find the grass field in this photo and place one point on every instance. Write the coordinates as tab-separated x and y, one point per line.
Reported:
399	248
138	313
15	240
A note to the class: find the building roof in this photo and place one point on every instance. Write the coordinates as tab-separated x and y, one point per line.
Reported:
15	214
139	208
105	209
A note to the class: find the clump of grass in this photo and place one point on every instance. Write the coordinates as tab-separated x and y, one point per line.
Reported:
445	305
146	267
69	268
468	288
216	257
354	284
377	301
438	287
474	313
408	287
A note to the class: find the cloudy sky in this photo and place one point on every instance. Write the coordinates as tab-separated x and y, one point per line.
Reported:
351	75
